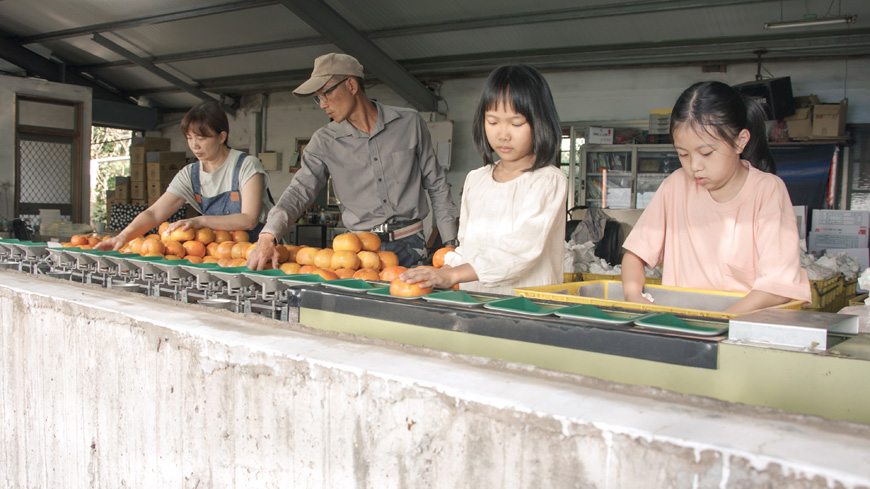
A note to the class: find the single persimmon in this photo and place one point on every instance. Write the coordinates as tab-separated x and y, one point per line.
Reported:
307	269
326	274
194	248
194	259
152	246
344	272
400	288
136	245
306	255
290	268
392	273
162	228
225	262
283	254
347	242
323	258
344	259
93	240
370	241
211	248
240	249
211	259
204	235
388	259
240	262
171	257
438	257
78	240
291	251
225	249
367	274
369	259
220	236
240	236
172	247
181	235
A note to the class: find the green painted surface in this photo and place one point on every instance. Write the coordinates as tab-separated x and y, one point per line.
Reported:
829	385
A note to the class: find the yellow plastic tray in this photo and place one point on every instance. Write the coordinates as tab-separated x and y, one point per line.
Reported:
608	293
826	294
588	277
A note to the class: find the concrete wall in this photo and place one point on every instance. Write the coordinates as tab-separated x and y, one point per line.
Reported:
105	389
10	86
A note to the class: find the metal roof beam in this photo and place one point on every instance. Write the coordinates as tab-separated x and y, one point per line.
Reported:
47	69
344	35
102	41
148	20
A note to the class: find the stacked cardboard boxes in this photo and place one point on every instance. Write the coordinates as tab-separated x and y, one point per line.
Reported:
139	149
814	120
160	168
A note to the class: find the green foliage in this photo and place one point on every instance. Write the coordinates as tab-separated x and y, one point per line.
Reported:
106	143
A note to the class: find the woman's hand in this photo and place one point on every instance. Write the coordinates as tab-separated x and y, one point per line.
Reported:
185	224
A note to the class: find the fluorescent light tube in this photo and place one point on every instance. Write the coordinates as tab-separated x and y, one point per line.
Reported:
846	19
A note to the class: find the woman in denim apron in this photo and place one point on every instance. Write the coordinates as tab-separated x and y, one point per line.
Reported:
229	188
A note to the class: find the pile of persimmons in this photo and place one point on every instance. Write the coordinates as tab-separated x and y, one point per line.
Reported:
353	255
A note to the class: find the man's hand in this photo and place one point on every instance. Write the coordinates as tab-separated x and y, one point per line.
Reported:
263	253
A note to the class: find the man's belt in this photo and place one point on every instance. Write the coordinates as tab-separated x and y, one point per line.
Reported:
397	230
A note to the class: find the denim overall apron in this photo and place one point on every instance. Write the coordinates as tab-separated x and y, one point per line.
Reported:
227	202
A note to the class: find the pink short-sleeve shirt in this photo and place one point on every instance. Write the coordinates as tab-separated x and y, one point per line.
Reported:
748	243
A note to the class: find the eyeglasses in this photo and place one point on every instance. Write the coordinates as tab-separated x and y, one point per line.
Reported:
322	97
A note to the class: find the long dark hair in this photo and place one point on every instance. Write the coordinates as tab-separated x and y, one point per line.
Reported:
525	89
206	119
715	106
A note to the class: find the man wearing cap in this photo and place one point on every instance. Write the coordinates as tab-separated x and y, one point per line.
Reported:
382	165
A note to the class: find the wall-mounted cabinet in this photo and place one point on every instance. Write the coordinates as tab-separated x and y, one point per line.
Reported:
620	176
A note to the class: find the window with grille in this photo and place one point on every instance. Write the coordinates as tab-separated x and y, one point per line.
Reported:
48	158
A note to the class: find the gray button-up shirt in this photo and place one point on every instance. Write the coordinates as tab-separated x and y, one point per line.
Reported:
375	177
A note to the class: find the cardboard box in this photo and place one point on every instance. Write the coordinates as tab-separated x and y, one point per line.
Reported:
151	143
138	190
817	243
162	166
139	201
271	161
122	190
599	135
800	124
175	157
137	172
137	156
154	191
830	217
829	120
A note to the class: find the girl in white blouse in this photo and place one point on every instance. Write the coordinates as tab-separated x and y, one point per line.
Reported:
512	219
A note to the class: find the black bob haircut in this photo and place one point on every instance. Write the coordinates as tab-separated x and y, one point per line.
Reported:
525	89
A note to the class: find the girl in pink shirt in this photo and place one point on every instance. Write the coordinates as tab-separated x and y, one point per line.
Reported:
723	221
